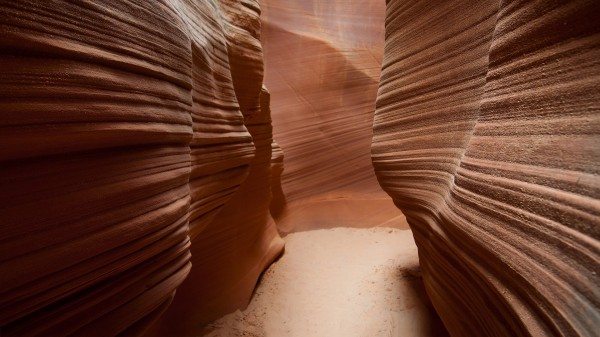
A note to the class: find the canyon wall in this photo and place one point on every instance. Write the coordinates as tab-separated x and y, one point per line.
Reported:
486	135
132	135
323	60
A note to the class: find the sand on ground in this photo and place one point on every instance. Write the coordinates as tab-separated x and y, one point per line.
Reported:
338	282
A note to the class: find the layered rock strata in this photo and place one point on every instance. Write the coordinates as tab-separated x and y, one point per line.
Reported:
486	136
124	124
322	67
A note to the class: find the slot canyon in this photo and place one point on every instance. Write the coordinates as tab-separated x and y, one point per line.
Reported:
272	168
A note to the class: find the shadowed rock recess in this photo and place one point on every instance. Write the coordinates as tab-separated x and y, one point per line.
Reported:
486	135
142	192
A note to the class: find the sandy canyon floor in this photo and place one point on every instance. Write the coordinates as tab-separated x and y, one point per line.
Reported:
338	282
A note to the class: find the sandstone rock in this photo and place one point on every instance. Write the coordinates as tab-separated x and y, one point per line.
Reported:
322	68
486	136
123	126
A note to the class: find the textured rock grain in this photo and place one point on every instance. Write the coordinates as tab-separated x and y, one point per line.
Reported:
124	124
486	136
322	67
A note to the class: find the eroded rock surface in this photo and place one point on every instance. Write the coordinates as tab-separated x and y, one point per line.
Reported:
486	136
124	124
323	60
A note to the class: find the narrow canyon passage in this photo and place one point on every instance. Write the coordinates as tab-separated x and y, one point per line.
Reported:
306	168
322	62
350	282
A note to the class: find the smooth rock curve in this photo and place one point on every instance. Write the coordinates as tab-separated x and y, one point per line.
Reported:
486	136
322	67
126	128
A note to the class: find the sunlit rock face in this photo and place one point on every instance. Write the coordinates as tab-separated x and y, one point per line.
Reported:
486	136
322	64
132	132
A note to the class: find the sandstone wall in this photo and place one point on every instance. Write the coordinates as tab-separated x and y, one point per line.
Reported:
129	128
486	136
322	67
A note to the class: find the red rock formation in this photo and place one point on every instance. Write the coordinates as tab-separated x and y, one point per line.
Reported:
242	240
486	136
121	126
322	68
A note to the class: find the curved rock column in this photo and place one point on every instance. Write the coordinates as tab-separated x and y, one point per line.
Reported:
94	165
486	135
236	245
122	134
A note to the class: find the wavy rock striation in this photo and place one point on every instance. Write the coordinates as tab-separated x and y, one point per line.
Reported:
486	136
322	67
124	124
